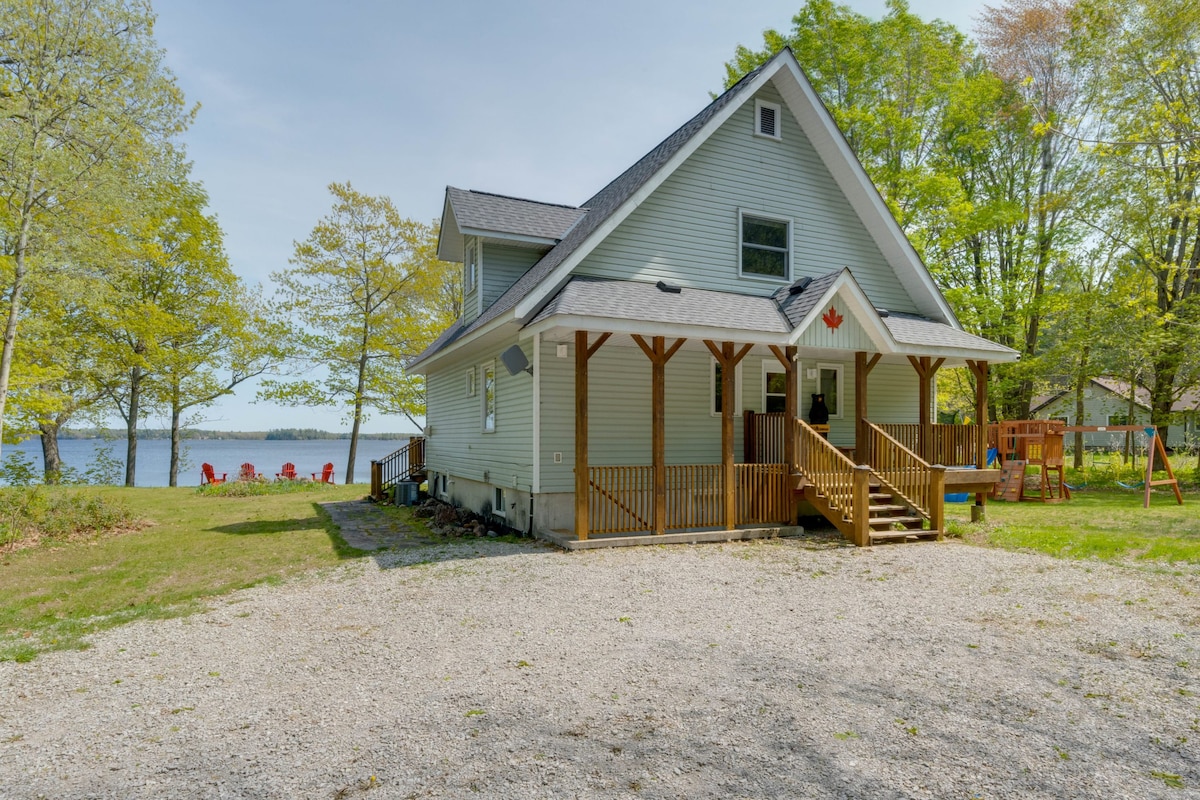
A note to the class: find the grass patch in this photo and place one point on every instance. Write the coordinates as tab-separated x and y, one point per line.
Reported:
194	546
263	487
1105	524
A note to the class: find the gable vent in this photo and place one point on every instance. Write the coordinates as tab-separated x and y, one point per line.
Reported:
766	119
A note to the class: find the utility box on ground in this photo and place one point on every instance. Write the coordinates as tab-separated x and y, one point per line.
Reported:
406	493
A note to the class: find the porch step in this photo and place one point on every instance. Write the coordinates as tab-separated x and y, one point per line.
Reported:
898	536
887	508
905	521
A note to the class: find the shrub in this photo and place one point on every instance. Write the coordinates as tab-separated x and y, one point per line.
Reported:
29	515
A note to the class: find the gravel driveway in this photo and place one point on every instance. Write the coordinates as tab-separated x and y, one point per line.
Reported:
796	668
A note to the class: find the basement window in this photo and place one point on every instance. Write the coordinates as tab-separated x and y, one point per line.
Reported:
498	501
768	120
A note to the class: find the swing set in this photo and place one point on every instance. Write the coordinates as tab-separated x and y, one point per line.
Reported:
1039	443
1155	451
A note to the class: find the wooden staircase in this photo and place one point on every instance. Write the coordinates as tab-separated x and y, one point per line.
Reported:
405	464
890	502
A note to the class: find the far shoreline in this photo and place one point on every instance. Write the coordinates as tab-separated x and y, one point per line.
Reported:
278	434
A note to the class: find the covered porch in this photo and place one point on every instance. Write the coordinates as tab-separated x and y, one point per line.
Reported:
873	482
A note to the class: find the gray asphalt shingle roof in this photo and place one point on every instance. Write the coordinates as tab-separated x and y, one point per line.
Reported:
599	208
908	329
645	302
796	306
496	212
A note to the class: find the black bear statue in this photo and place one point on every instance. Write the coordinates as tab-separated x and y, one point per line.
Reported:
818	413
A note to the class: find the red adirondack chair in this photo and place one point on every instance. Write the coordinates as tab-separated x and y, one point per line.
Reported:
326	474
288	472
247	472
207	475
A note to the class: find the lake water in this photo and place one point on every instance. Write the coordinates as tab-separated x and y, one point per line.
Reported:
226	455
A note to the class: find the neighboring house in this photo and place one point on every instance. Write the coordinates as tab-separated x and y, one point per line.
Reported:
743	265
1106	402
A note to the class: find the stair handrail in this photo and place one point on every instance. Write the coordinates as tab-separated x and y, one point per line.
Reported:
900	470
397	466
827	468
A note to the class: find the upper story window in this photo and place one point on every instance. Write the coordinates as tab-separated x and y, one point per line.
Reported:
470	266
767	120
765	246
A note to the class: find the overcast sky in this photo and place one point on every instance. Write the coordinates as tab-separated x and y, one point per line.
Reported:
544	99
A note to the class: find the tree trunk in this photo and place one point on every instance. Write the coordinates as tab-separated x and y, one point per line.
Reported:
131	422
20	270
358	407
51	461
173	480
1079	414
1130	411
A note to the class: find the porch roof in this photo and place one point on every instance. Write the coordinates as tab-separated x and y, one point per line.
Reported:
641	307
646	302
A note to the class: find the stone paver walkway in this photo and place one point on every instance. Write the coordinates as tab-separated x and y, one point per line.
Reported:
368	526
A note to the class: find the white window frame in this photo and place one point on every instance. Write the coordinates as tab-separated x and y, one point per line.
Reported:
498	494
840	369
787	267
471	265
778	109
772	366
470	382
712	388
485	368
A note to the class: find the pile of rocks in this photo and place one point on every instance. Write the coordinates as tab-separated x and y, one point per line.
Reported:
454	522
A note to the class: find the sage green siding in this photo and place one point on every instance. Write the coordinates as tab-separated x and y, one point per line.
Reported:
458	446
471	308
619	406
686	231
502	265
848	335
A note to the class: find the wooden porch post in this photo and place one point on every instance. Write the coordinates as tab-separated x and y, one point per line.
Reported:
659	355
791	401
582	354
862	368
728	358
980	370
926	370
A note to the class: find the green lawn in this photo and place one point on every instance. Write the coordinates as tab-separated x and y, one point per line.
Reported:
197	546
1104	524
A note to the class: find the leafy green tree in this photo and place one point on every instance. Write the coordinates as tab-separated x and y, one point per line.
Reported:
360	293
83	97
1145	61
175	315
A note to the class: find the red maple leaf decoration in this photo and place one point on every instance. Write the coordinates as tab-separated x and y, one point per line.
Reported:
832	318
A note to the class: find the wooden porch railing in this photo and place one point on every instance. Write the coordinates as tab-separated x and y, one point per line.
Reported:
829	471
398	466
762	442
901	470
950	445
764	493
621	499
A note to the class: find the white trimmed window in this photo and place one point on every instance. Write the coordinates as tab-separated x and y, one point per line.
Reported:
716	389
774	397
768	120
498	501
488	396
766	244
829	383
470	266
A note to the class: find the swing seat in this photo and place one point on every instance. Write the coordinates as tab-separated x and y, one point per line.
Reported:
1137	485
1074	488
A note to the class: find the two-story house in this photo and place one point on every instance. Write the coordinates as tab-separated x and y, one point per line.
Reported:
648	360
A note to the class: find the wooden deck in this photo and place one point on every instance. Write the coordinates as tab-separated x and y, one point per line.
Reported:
567	540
